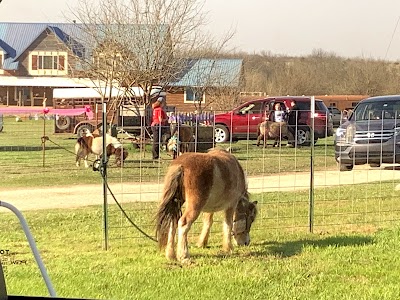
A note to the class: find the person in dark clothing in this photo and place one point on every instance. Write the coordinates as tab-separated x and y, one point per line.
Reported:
293	120
159	121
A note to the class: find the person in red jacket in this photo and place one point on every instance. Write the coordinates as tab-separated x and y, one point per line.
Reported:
159	121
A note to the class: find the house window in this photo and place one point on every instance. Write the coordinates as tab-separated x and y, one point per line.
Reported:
194	95
48	63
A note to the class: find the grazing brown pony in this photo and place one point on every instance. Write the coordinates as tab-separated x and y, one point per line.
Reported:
181	141
89	144
120	154
206	182
276	131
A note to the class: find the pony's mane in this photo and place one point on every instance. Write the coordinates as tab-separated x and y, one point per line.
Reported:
217	150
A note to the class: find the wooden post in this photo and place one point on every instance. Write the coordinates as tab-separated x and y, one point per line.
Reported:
44	139
31	96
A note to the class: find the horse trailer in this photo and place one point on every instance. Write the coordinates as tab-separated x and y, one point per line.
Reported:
126	116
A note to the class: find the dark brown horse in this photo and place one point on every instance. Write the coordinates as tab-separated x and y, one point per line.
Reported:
206	182
181	141
276	131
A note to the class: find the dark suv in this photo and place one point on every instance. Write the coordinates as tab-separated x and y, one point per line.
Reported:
242	121
371	134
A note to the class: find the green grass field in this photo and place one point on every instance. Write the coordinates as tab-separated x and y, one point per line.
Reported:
281	263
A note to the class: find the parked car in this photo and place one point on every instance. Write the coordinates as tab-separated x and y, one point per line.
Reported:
242	121
371	134
336	115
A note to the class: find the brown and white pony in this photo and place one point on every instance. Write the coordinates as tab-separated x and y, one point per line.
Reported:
181	141
89	144
276	131
206	182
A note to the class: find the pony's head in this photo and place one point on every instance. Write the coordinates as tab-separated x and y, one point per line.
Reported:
244	217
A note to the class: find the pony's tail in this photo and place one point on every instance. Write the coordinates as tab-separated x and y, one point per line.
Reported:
80	143
170	208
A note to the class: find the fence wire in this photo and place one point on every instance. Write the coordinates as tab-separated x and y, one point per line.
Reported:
363	199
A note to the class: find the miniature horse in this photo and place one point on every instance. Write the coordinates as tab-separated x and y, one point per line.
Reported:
207	182
90	144
275	131
181	141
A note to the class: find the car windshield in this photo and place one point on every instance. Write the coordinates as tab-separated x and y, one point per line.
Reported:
252	108
377	111
334	110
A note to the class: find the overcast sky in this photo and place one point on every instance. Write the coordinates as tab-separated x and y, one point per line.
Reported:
350	28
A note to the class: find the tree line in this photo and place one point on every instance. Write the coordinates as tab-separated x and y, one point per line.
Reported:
319	73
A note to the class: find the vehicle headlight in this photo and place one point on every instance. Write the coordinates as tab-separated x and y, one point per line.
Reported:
396	130
346	133
341	132
350	133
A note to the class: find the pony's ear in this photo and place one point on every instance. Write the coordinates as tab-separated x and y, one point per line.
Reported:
255	202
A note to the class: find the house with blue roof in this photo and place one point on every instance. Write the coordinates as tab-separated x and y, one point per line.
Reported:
201	80
35	58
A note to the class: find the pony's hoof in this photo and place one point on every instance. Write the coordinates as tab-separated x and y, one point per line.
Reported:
186	261
202	245
172	257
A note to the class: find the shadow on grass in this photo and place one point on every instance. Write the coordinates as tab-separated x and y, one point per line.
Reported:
291	248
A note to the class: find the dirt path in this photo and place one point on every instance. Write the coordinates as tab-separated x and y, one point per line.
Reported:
83	195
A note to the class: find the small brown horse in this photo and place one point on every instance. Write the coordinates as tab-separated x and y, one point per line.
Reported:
181	141
206	182
276	131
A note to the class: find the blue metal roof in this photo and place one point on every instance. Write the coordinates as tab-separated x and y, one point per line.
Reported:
210	72
15	38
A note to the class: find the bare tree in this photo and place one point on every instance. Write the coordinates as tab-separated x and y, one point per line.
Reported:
142	43
320	73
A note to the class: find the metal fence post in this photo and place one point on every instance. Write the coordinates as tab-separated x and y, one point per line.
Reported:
104	174
311	194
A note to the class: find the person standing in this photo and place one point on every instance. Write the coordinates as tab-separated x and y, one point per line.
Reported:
293	120
159	119
278	115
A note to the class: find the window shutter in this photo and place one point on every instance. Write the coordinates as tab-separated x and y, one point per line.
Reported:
61	62
1	61
34	62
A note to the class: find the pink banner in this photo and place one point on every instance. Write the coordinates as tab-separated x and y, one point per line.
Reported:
48	111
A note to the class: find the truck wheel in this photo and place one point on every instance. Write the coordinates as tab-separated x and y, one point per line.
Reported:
63	122
83	129
303	136
221	133
345	167
374	165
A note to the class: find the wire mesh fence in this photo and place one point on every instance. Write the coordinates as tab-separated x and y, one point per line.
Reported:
279	178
